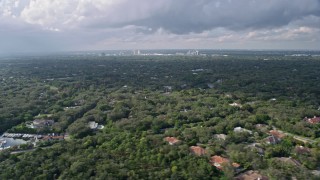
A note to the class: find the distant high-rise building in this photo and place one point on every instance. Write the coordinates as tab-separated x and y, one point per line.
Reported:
136	52
193	53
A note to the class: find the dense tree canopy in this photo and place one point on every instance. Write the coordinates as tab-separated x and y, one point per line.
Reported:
140	100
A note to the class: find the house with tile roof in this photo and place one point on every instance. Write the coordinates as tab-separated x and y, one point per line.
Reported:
272	140
277	134
219	162
197	150
172	140
314	120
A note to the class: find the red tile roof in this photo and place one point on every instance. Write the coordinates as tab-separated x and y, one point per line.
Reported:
277	134
236	165
314	120
197	150
219	159
219	162
172	140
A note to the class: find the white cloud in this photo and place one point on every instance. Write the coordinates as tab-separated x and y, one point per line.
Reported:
47	13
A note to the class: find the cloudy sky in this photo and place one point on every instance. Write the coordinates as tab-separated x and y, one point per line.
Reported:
68	25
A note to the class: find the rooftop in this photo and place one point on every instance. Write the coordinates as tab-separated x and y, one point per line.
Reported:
220	136
302	150
277	134
289	160
40	123
236	104
251	175
172	140
219	162
314	120
272	140
197	150
240	129
93	125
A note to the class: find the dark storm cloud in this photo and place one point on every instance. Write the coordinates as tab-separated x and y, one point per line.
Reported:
46	25
185	16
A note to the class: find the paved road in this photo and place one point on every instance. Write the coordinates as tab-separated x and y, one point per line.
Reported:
22	151
303	139
299	138
28	150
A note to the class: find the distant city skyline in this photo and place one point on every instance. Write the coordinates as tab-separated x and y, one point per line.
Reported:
84	25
